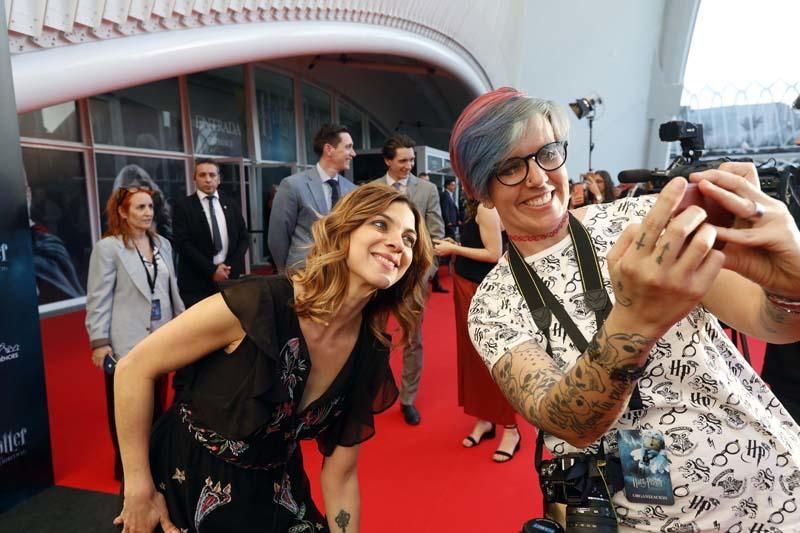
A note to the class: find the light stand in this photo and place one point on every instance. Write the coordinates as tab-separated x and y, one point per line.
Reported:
585	107
591	143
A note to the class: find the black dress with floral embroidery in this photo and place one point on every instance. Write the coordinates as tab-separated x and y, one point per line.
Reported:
227	455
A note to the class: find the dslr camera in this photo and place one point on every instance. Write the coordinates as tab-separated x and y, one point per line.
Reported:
584	483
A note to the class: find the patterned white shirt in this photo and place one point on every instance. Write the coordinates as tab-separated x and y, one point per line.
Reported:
733	447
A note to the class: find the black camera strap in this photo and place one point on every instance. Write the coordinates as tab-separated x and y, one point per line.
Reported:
543	304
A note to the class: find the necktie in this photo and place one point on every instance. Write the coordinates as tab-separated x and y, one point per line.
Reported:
214	226
334	184
397	185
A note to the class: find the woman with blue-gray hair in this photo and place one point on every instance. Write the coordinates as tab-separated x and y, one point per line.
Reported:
601	324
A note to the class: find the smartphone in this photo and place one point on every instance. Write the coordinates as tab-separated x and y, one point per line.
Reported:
110	363
716	214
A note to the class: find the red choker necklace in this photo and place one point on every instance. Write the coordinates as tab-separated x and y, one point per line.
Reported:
548	235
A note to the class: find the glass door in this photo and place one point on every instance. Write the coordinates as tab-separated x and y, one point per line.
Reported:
233	184
263	183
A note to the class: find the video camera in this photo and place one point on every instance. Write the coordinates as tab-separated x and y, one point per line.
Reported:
692	143
782	184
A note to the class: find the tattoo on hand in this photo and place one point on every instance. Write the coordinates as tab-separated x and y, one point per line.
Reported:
621	299
640	242
343	520
663	251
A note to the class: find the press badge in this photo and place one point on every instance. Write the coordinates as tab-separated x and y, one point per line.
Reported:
155	310
645	466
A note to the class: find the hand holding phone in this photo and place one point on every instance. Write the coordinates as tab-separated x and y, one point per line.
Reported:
716	214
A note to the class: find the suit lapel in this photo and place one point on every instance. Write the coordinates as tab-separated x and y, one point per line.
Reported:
411	189
135	269
314	185
229	221
201	214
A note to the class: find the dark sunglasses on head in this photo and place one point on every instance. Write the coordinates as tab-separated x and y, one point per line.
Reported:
131	190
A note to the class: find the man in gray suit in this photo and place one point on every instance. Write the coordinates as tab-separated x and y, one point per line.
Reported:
304	197
398	155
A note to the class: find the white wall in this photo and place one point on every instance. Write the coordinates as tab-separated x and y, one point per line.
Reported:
573	48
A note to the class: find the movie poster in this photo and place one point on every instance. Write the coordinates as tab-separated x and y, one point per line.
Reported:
25	460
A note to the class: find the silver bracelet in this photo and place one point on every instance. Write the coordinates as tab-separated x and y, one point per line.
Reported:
781	302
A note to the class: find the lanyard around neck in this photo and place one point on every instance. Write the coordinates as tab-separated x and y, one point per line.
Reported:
150	281
543	304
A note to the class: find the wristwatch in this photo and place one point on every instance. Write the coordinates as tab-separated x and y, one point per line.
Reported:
625	374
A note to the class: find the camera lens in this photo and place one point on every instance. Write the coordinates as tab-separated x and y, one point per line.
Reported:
542	525
595	517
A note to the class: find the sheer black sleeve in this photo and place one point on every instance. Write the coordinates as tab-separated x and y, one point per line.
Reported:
372	391
234	393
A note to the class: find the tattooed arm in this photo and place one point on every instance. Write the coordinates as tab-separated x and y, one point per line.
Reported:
743	305
339	480
580	405
660	270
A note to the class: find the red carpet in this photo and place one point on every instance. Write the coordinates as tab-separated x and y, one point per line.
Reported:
416	479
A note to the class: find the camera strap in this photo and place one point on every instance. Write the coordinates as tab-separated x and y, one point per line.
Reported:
543	304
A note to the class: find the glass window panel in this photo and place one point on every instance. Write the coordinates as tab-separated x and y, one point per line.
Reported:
316	112
350	117
434	163
166	176
376	136
266	183
276	118
147	116
55	122
217	103
59	222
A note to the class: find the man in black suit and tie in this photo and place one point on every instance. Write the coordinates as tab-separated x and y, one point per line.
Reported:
210	236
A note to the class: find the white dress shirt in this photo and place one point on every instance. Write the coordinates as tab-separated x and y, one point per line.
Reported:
390	181
223	226
327	188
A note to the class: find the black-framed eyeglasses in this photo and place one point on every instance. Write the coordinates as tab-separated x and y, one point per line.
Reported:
132	190
549	157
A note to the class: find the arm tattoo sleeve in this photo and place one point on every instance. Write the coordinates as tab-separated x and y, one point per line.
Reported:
581	404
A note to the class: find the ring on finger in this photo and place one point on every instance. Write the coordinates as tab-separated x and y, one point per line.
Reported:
758	210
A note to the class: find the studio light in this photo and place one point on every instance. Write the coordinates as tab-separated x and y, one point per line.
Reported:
587	108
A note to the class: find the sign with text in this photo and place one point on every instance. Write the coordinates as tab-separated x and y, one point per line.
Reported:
25	460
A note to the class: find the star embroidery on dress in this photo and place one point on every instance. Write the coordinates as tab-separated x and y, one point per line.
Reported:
179	475
162	486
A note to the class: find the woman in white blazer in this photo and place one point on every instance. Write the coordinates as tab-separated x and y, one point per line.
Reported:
132	289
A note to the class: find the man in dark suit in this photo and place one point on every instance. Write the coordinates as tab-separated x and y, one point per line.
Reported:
210	236
398	155
302	198
450	214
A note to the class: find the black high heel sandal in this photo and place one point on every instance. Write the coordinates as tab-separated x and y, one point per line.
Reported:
492	433
508	456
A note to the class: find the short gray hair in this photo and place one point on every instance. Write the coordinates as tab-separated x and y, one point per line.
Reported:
488	130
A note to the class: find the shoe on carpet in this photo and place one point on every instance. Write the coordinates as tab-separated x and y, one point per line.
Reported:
486	435
410	414
505	456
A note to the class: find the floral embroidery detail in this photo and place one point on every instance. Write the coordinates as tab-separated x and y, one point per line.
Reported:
283	495
211	497
227	449
179	475
293	366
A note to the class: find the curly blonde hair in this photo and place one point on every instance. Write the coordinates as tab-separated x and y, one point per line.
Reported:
324	278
